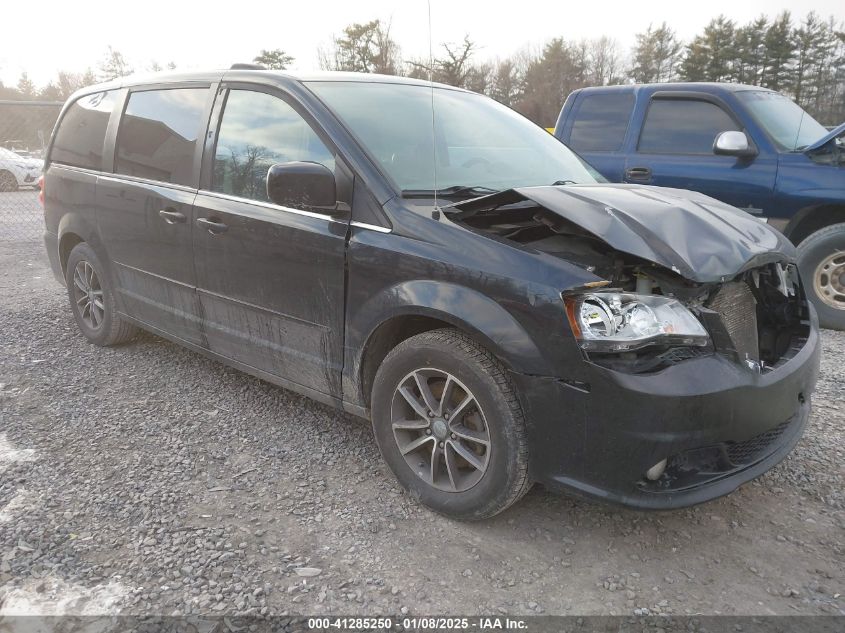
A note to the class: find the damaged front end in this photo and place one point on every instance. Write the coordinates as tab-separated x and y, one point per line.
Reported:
681	275
700	347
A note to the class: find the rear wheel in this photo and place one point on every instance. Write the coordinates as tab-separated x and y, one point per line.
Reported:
450	426
92	299
8	182
821	260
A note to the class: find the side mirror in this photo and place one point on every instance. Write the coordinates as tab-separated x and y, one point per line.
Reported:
301	184
733	143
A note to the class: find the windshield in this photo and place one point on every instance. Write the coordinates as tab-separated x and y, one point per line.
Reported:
479	143
789	126
5	153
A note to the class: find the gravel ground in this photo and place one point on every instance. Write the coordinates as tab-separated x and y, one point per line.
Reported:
146	479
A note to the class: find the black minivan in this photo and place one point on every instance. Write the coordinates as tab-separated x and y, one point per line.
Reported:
425	257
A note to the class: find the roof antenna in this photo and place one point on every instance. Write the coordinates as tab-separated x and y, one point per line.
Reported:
798	131
435	214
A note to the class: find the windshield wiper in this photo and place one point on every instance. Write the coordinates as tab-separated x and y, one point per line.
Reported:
563	182
455	191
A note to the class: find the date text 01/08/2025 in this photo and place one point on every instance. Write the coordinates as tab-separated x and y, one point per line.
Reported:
416	624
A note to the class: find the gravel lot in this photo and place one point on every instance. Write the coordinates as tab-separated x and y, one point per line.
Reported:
146	479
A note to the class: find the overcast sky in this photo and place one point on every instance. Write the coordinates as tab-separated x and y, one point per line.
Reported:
50	35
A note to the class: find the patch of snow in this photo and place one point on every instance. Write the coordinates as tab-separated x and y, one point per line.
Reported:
53	596
9	454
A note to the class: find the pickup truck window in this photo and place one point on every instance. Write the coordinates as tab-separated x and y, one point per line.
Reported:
683	126
789	126
601	122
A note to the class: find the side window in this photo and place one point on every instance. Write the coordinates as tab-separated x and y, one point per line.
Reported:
601	122
158	134
259	130
683	126
82	132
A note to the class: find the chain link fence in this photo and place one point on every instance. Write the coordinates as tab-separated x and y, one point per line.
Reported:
25	128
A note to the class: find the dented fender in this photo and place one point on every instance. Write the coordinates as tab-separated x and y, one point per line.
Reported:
474	313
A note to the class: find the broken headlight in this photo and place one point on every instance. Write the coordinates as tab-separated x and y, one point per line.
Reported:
621	322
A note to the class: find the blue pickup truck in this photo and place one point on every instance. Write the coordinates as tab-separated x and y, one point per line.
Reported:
750	147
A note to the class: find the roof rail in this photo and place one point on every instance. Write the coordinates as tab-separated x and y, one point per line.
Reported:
247	67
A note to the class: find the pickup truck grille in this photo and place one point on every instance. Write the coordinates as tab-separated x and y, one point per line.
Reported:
737	308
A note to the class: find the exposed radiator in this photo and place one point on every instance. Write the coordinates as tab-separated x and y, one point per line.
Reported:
737	307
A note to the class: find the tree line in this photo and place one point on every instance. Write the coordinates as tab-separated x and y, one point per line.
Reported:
803	59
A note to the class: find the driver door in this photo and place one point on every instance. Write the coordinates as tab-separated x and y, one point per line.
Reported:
270	279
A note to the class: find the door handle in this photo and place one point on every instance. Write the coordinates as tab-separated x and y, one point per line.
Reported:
638	173
213	227
172	217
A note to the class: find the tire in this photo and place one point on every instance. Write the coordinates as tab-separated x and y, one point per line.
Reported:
8	182
821	260
472	480
98	320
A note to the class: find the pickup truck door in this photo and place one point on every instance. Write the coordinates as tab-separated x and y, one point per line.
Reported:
596	129
674	148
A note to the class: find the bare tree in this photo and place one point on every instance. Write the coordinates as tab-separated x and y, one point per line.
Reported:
363	48
605	61
453	68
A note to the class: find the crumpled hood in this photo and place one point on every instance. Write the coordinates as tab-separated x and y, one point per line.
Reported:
824	140
700	238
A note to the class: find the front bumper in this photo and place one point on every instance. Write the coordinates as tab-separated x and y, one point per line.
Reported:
718	423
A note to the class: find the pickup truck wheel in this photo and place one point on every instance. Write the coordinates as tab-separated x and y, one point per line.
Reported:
449	425
821	260
92	299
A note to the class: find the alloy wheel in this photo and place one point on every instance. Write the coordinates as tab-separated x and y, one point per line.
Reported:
440	430
88	295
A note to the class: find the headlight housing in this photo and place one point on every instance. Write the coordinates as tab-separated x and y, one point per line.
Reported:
621	322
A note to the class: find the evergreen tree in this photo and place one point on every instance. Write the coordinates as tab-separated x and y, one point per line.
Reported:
780	53
656	55
813	42
507	84
750	51
276	59
549	78
114	65
25	87
721	41
695	60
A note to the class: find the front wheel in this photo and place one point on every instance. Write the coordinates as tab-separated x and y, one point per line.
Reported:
92	299
449	425
821	260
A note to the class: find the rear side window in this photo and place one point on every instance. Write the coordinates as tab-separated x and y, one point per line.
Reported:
82	132
601	122
259	130
158	134
683	126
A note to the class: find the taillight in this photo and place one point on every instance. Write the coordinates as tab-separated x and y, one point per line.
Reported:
41	189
